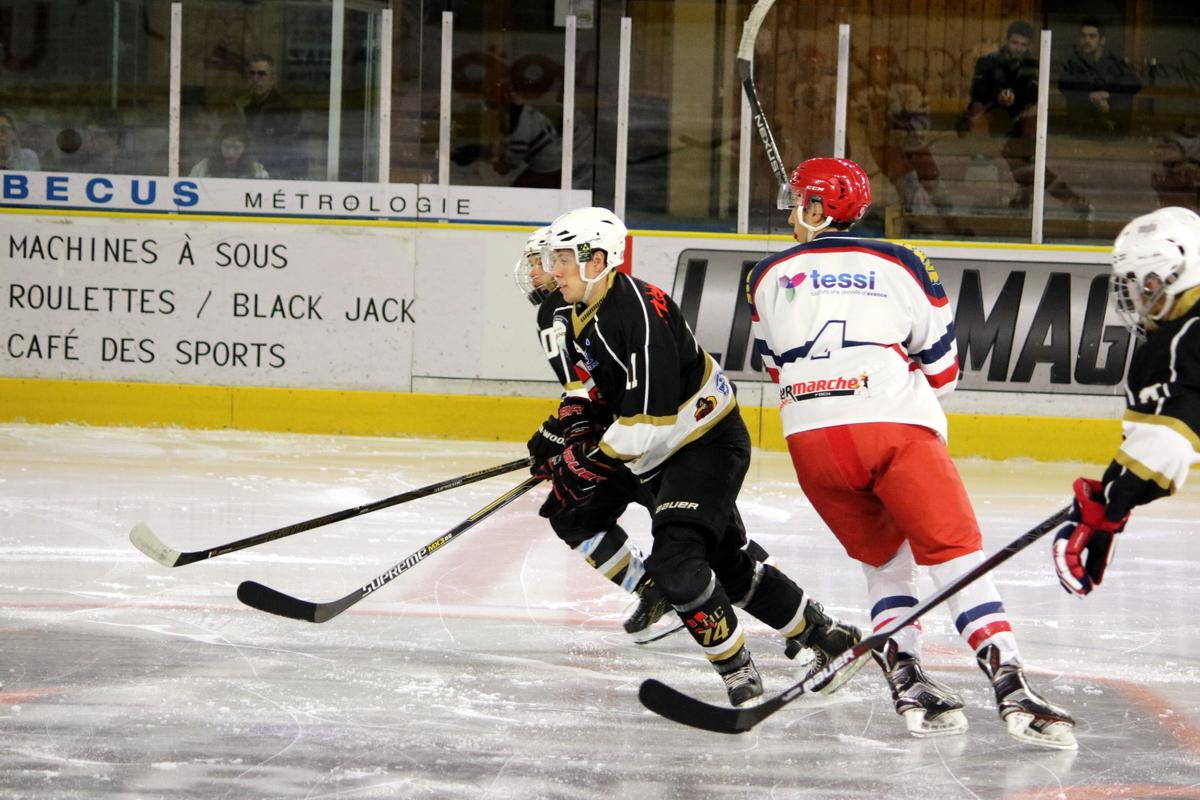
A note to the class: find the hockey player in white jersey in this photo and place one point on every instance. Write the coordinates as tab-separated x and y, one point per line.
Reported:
1156	285
859	336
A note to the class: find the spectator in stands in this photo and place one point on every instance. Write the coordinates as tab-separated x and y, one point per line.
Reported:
1003	85
531	152
1004	92
104	144
1098	85
229	157
12	155
271	120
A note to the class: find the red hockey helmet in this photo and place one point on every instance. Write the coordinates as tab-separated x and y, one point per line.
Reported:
841	185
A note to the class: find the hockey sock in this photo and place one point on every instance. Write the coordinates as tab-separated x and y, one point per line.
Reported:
977	610
615	557
775	599
711	621
892	591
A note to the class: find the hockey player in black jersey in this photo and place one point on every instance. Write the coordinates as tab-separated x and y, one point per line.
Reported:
601	541
677	445
1156	285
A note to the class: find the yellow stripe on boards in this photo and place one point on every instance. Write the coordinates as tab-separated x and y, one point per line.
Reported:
268	409
996	436
478	417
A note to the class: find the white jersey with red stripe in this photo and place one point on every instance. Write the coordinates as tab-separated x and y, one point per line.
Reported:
854	330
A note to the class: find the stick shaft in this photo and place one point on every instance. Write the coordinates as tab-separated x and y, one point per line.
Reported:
337	516
745	67
264	598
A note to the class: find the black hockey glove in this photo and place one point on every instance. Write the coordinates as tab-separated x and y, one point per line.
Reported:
578	471
546	443
1083	547
581	420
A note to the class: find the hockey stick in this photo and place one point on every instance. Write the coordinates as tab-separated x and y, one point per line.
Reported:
264	598
745	68
679	707
144	539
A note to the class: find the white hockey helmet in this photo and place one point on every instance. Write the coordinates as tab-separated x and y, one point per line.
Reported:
584	231
1155	258
536	287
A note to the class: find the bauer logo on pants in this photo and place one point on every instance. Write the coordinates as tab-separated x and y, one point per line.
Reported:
680	505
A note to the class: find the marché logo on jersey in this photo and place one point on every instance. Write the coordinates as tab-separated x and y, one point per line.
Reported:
840	386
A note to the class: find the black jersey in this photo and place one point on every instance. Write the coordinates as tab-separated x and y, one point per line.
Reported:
553	321
643	360
1162	413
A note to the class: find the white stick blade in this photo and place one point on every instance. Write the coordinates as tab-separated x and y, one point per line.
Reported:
145	540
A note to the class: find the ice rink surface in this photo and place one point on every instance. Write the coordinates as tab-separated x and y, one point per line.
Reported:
497	668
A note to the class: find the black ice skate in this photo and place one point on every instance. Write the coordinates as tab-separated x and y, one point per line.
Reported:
652	604
1029	717
928	708
826	637
742	681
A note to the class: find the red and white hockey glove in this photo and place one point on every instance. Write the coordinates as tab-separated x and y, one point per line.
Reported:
1084	546
578	471
580	420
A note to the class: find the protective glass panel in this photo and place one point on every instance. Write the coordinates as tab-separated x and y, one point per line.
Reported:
684	112
1124	132
85	86
506	117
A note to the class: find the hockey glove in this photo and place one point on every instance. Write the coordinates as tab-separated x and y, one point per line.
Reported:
578	471
546	443
1084	546
579	418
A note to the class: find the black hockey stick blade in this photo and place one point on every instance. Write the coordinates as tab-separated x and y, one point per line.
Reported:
687	710
145	539
273	601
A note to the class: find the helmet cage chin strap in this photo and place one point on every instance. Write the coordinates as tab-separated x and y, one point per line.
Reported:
591	282
813	230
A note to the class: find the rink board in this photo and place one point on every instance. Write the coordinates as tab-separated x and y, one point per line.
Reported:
379	327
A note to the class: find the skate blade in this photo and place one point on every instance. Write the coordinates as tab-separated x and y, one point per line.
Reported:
1058	735
948	723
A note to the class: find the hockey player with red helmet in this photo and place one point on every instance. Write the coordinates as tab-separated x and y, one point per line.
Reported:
859	336
1156	285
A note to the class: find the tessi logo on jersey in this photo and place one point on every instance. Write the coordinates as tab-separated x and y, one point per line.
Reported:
825	280
842	280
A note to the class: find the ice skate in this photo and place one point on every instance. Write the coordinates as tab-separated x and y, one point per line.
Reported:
652	604
826	637
929	709
742	681
1028	716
